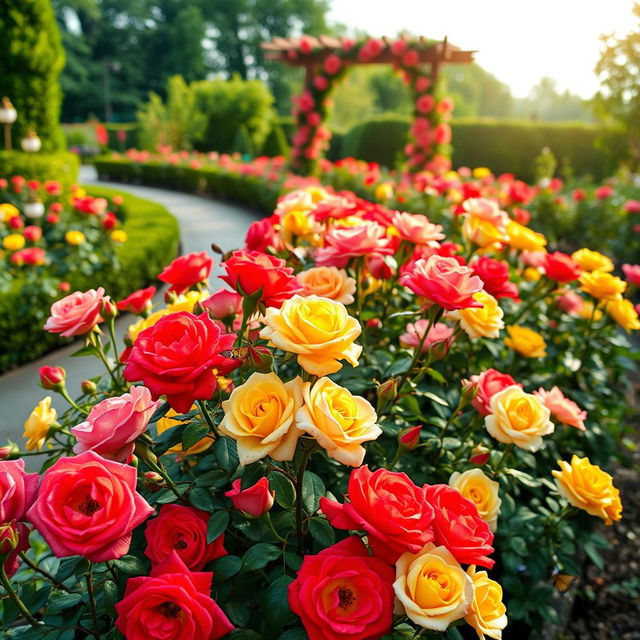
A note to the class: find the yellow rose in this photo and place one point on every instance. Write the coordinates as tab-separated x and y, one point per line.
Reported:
624	313
588	311
592	260
481	322
298	223
482	491
140	325
13	242
319	330
37	426
487	613
526	342
338	420
602	285
518	418
481	172
523	238
317	193
74	238
8	211
119	236
327	282
588	487
168	421
531	274
259	415
432	587
383	191
187	301
481	232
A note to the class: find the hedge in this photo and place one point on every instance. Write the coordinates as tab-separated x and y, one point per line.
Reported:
153	238
61	166
502	146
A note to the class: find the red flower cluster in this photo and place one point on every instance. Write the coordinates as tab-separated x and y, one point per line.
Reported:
187	270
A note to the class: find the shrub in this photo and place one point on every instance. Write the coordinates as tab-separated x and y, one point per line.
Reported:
32	59
276	143
377	140
60	166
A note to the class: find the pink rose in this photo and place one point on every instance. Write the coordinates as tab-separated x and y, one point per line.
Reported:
76	314
351	242
417	229
443	281
488	383
88	506
113	424
570	302
425	103
565	410
255	501
632	273
632	206
17	490
486	210
440	332
442	133
223	304
332	64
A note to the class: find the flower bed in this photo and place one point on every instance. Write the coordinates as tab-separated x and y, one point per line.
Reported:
372	407
54	241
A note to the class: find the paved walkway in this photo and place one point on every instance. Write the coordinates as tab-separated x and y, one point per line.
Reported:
202	221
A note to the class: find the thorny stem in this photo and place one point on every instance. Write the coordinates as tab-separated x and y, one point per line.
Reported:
46	574
92	601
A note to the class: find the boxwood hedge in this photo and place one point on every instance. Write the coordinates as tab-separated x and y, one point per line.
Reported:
61	166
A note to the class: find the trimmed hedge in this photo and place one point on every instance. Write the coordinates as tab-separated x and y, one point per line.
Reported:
61	166
502	146
153	238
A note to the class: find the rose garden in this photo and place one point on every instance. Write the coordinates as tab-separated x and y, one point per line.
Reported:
398	406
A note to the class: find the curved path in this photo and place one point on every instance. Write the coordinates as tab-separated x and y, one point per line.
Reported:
202	221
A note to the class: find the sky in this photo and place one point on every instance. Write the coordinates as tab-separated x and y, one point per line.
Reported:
518	41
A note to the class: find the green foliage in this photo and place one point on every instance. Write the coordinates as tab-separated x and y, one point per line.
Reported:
242	143
377	140
152	242
276	143
59	166
31	59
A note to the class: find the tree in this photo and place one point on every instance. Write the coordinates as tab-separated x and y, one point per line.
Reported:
619	71
31	59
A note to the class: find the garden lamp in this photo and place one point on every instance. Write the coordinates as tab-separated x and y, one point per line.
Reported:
31	143
8	115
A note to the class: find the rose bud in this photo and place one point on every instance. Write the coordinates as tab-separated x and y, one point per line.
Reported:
260	359
9	451
64	287
479	455
387	393
374	323
254	501
89	387
409	438
52	378
16	223
152	480
8	538
109	310
223	304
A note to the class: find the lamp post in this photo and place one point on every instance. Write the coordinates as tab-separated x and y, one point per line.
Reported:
8	115
31	143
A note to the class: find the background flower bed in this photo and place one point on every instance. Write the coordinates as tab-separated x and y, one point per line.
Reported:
152	240
61	166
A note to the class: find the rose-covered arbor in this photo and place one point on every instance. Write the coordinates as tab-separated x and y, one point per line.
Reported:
326	60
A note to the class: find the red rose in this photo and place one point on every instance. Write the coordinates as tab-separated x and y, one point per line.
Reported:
393	511
261	235
561	267
176	357
14	538
171	603
33	256
185	271
343	592
138	302
52	378
183	530
250	271
604	192
495	275
459	527
488	383
254	501
88	506
32	233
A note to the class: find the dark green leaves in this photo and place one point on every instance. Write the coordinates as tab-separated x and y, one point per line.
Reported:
217	524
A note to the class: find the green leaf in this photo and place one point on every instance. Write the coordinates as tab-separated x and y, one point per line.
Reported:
244	634
215	479
285	491
312	490
399	366
239	613
226	454
217	525
454	634
322	532
160	412
259	556
437	399
294	634
62	602
276	603
593	554
194	432
131	566
201	499
293	560
88	350
226	567
519	546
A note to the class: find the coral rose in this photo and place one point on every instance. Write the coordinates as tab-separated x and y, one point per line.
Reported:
17	490
251	271
526	342
254	501
487	613
483	322
113	424
561	267
327	282
37	426
474	485
488	383
176	357
186	271
518	418
343	592
432	587
586	486
88	506
338	420
172	604
459	527
76	314
393	511
443	281
417	229
259	416
183	530
564	410
319	330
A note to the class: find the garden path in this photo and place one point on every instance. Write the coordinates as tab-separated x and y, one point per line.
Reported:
202	221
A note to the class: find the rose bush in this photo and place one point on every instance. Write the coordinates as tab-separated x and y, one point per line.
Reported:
273	464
